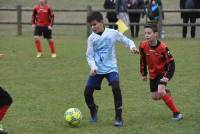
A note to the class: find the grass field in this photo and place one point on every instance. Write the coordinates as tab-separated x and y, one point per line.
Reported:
44	88
72	17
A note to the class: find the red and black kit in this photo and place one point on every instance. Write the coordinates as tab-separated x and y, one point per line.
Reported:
43	17
159	61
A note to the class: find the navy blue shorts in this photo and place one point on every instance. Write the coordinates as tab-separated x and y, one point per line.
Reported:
95	81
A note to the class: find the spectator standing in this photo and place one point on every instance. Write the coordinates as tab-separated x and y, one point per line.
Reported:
152	10
134	17
189	16
111	16
121	10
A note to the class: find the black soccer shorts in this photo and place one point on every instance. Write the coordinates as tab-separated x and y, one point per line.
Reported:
155	82
43	31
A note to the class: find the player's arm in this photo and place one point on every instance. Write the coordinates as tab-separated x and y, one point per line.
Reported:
90	58
170	70
106	4
127	42
51	17
143	64
34	17
171	65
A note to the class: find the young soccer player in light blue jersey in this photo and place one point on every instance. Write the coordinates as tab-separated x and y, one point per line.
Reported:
101	58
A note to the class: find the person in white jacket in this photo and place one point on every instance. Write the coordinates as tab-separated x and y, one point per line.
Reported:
101	58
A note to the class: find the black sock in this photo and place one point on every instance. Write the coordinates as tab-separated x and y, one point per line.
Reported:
90	100
117	100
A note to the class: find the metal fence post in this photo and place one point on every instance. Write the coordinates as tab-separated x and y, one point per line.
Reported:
19	20
89	10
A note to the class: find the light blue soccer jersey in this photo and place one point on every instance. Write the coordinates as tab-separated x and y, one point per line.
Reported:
101	50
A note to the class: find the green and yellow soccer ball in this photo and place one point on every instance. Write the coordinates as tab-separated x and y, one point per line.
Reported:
73	117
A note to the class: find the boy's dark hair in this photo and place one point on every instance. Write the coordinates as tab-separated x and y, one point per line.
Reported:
153	27
95	15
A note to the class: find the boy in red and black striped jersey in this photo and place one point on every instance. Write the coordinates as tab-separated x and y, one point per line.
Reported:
161	66
42	22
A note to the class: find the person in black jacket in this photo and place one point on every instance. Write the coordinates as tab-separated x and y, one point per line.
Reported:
111	16
134	17
189	16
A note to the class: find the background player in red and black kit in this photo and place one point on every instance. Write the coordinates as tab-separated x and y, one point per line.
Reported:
161	66
5	102
42	22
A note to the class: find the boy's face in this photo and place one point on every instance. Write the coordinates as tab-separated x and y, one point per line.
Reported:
96	26
42	2
150	35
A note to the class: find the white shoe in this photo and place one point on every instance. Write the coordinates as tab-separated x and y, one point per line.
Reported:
53	55
38	55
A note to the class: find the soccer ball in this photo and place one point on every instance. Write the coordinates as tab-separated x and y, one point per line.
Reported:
73	117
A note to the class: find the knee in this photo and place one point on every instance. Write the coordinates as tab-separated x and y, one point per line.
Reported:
156	97
36	38
161	93
115	85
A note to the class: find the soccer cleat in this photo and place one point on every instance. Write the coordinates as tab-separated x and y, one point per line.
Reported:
118	123
53	55
94	116
2	131
38	55
177	117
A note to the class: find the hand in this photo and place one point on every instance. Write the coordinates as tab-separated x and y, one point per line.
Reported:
50	27
164	79
93	72
33	27
144	78
134	51
1	56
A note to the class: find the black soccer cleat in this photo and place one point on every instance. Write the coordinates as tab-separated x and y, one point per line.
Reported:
177	117
118	122
94	116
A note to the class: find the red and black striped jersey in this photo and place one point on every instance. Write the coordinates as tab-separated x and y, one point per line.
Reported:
43	15
156	58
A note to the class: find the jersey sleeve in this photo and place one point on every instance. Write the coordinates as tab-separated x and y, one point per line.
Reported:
171	64
51	16
143	63
168	56
90	54
34	16
125	40
170	70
